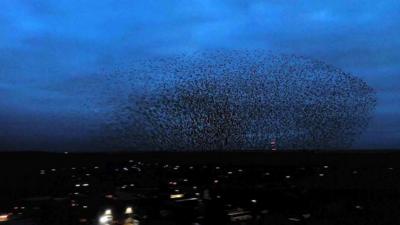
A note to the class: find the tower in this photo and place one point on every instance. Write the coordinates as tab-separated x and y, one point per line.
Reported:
274	144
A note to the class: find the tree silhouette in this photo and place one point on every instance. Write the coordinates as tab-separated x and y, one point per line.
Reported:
241	100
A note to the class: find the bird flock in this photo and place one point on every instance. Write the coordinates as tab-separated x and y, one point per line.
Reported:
236	100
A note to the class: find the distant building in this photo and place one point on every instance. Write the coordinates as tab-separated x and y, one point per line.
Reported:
239	215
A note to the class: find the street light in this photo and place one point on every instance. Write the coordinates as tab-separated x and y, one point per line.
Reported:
106	218
128	210
3	217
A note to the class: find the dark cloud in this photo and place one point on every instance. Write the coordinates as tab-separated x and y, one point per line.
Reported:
51	50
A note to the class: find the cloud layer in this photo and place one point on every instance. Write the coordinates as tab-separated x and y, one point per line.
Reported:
50	51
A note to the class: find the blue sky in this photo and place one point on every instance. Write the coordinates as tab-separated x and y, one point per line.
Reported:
51	53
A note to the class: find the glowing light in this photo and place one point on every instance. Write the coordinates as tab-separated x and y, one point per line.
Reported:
253	201
3	217
128	210
108	212
108	196
105	219
175	196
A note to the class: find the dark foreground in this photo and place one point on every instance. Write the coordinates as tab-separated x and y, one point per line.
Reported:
335	188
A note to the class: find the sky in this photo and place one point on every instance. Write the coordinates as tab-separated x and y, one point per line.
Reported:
52	52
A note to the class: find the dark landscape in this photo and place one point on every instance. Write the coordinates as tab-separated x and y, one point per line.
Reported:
303	187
